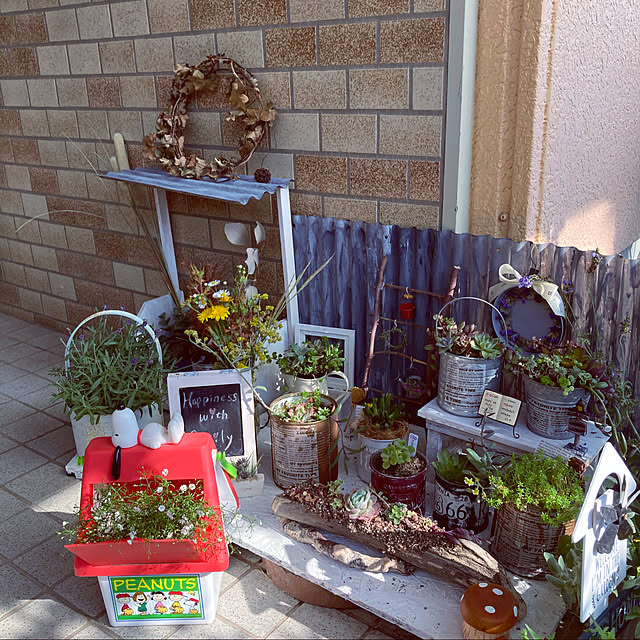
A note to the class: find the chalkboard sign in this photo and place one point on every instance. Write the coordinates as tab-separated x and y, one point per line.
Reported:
218	402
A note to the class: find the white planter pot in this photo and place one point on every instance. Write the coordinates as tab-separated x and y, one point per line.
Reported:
369	446
251	487
84	432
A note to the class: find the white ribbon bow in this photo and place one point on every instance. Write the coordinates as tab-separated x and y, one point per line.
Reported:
548	291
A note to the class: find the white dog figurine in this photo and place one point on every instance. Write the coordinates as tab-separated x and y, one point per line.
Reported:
125	432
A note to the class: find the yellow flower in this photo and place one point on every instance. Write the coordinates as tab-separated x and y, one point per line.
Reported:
224	298
217	312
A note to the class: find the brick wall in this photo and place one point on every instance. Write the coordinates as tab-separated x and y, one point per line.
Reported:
359	89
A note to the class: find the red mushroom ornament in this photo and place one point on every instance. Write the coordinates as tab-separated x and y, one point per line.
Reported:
488	611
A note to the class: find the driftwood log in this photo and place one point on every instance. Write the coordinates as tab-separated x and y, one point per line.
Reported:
342	553
463	564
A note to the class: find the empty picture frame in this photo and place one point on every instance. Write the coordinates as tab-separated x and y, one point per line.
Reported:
346	336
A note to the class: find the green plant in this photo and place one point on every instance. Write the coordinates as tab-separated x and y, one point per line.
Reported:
465	340
311	359
246	467
398	452
566	571
528	633
111	363
451	466
305	407
383	413
533	481
484	463
362	504
396	513
153	508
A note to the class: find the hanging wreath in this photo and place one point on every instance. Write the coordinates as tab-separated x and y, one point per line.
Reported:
243	95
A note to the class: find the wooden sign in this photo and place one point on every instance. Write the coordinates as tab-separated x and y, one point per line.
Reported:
604	556
218	402
500	408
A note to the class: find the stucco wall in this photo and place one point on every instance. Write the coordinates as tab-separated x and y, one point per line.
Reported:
556	154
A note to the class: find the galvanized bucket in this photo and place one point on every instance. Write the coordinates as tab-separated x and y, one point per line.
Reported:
462	380
548	409
302	451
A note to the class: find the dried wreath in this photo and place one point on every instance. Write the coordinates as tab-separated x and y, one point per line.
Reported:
167	143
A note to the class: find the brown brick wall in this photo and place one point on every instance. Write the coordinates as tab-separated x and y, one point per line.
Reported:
359	89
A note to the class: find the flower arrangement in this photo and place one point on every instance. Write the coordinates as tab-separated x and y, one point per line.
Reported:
465	340
234	328
533	481
110	364
311	359
154	508
305	407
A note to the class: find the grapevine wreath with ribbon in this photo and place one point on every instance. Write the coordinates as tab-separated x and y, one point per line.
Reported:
215	73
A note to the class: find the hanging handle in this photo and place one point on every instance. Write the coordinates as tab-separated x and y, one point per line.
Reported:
504	322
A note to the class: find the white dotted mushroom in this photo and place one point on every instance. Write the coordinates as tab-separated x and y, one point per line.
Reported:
487	612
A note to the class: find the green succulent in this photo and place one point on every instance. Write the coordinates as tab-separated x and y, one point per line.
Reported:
384	412
396	513
311	359
451	466
465	340
362	504
566	571
396	453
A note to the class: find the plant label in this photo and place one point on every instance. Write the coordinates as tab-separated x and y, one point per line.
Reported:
413	442
500	408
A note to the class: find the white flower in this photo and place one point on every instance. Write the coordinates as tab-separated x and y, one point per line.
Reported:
192	486
129	541
219	294
165	472
186	530
200	513
161	508
137	509
132	534
183	487
213	283
159	489
169	514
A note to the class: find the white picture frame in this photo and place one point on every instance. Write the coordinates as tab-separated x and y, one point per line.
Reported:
347	336
213	406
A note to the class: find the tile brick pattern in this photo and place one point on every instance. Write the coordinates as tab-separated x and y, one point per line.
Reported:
359	87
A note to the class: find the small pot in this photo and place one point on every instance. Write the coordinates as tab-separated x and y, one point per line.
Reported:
409	490
407	309
369	446
454	506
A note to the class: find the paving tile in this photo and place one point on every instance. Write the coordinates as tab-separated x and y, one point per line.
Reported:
14	410
376	634
21	590
58	411
42	398
8	373
45	485
219	628
43	618
15	462
30	427
151	631
6	444
94	630
62	504
83	593
6	341
236	569
25	530
10	505
54	444
49	562
38	360
310	621
257	602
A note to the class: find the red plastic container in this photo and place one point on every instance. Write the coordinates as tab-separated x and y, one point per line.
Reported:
407	309
409	490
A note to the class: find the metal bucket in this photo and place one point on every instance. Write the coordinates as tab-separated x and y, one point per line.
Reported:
302	451
463	380
455	506
548	409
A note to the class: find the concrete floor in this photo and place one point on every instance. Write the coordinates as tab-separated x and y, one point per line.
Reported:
41	597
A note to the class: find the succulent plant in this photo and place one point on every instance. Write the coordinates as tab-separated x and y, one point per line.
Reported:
362	504
383	412
465	340
395	453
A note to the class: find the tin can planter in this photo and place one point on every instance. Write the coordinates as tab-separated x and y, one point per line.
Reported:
369	446
303	450
409	490
454	506
521	538
463	380
548	409
407	309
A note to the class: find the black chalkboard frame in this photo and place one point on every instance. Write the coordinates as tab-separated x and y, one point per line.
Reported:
213	379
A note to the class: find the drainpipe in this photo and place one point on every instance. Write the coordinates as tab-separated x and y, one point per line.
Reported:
463	29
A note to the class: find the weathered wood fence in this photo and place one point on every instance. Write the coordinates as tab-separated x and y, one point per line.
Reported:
342	295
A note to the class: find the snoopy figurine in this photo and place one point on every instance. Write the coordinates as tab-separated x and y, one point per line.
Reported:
125	433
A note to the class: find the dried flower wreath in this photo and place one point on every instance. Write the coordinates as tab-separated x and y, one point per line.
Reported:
167	143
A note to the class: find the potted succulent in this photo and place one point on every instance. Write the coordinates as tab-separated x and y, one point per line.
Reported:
470	363
112	358
556	381
398	472
382	422
536	500
248	481
305	366
454	504
152	520
304	435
